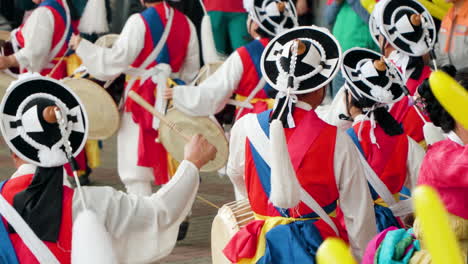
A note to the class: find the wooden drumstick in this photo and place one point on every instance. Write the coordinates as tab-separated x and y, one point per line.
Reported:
143	103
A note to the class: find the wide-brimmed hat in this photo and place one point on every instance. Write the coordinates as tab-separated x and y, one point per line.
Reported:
406	25
317	62
273	16
31	130
370	76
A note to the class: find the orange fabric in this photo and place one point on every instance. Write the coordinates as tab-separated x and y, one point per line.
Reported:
451	20
61	249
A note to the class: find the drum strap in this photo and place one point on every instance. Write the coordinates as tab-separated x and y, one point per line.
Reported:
34	244
261	142
400	208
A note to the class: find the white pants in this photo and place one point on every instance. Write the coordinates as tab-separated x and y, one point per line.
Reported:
137	179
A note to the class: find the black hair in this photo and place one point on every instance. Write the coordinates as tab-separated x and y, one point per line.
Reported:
74	14
437	113
386	121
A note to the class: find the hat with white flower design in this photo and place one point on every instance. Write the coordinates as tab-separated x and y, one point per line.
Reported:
272	16
30	126
369	76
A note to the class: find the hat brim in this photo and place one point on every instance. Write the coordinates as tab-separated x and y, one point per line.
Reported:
270	24
351	59
414	43
328	42
14	97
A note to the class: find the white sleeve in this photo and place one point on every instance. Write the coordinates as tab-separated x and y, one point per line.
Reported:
211	95
38	32
144	229
235	167
191	65
415	157
106	64
355	199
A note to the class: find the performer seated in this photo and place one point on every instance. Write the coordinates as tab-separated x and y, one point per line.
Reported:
445	168
294	189
240	74
154	45
44	124
394	158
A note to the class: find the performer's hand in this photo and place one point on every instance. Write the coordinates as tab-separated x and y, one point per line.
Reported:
8	62
302	7
75	41
168	93
199	151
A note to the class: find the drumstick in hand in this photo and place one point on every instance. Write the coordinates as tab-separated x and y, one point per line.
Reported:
143	103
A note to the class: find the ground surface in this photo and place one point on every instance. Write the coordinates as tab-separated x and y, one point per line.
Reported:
196	247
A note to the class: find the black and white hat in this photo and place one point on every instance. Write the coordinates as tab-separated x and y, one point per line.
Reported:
406	25
29	128
299	61
369	76
313	66
273	16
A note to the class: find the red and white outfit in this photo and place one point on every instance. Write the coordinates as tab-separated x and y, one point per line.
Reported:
328	171
388	158
140	159
239	74
144	229
39	39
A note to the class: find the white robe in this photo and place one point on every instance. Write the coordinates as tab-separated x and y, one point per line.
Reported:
355	200
143	229
106	64
210	96
38	32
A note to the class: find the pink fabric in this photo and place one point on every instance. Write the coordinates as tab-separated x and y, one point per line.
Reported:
373	246
445	168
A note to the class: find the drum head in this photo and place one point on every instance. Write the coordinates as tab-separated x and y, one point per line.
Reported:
5	81
103	114
107	41
190	125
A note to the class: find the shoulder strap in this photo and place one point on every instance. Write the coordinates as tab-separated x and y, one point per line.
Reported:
259	139
61	43
7	251
34	244
398	208
155	53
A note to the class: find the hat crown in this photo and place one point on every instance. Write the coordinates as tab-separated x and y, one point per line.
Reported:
23	124
273	16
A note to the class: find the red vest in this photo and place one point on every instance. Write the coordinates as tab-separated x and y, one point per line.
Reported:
61	249
404	112
315	173
150	153
58	12
389	161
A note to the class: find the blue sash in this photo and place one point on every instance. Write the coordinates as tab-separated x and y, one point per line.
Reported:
255	50
7	251
264	171
61	10
156	26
